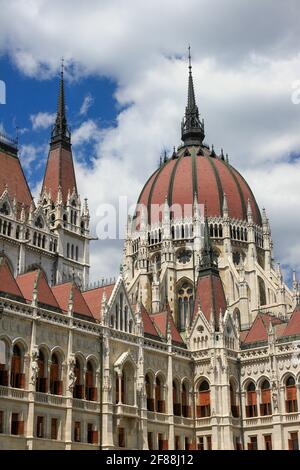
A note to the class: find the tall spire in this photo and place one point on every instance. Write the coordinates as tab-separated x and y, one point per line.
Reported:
192	129
60	132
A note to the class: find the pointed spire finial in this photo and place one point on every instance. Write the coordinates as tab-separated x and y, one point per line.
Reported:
208	259
192	128
60	132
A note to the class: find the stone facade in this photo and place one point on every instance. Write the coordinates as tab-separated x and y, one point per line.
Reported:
180	352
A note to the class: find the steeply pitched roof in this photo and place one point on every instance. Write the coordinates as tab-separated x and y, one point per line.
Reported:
28	281
210	294
293	326
260	327
12	177
8	284
63	294
94	298
160	321
149	327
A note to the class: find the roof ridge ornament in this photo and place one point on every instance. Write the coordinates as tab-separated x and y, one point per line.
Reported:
192	128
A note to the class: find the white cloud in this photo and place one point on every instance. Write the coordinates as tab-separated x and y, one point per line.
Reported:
42	120
86	104
244	68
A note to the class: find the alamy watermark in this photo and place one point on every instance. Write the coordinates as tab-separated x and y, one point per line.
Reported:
295	97
2	92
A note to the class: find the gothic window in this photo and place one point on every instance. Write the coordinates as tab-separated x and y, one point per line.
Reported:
42	382
78	388
17	378
39	222
159	395
184	256
149	392
55	382
291	402
236	257
220	231
265	406
4	209
262	291
90	389
18	232
185	304
76	253
233	400
203	406
72	251
251	407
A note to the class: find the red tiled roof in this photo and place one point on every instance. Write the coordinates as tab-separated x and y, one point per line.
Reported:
59	172
26	284
293	326
211	294
209	177
94	297
62	294
7	281
160	321
149	327
259	328
12	176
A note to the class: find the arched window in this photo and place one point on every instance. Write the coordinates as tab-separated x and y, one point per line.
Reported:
203	407
72	251
17	378
3	363
235	411
55	375
90	389
265	406
186	409
291	402
149	392
185	305
78	388
128	385
176	399
76	253
251	407
68	250
42	381
159	401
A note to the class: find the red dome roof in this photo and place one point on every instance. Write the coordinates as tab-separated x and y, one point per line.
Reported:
207	176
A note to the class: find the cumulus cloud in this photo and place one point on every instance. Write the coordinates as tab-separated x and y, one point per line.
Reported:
245	62
42	120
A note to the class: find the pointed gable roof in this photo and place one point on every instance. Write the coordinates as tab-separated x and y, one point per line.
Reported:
149	327
210	294
12	177
209	290
94	298
160	320
8	285
67	291
37	280
260	327
293	326
60	171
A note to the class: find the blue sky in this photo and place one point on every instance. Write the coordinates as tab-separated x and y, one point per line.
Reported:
130	58
28	96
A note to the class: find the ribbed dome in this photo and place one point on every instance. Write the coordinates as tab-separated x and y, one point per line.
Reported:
197	170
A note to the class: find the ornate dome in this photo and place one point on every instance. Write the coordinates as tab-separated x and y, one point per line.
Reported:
195	171
198	171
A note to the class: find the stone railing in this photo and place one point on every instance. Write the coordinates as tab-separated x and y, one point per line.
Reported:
13	393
